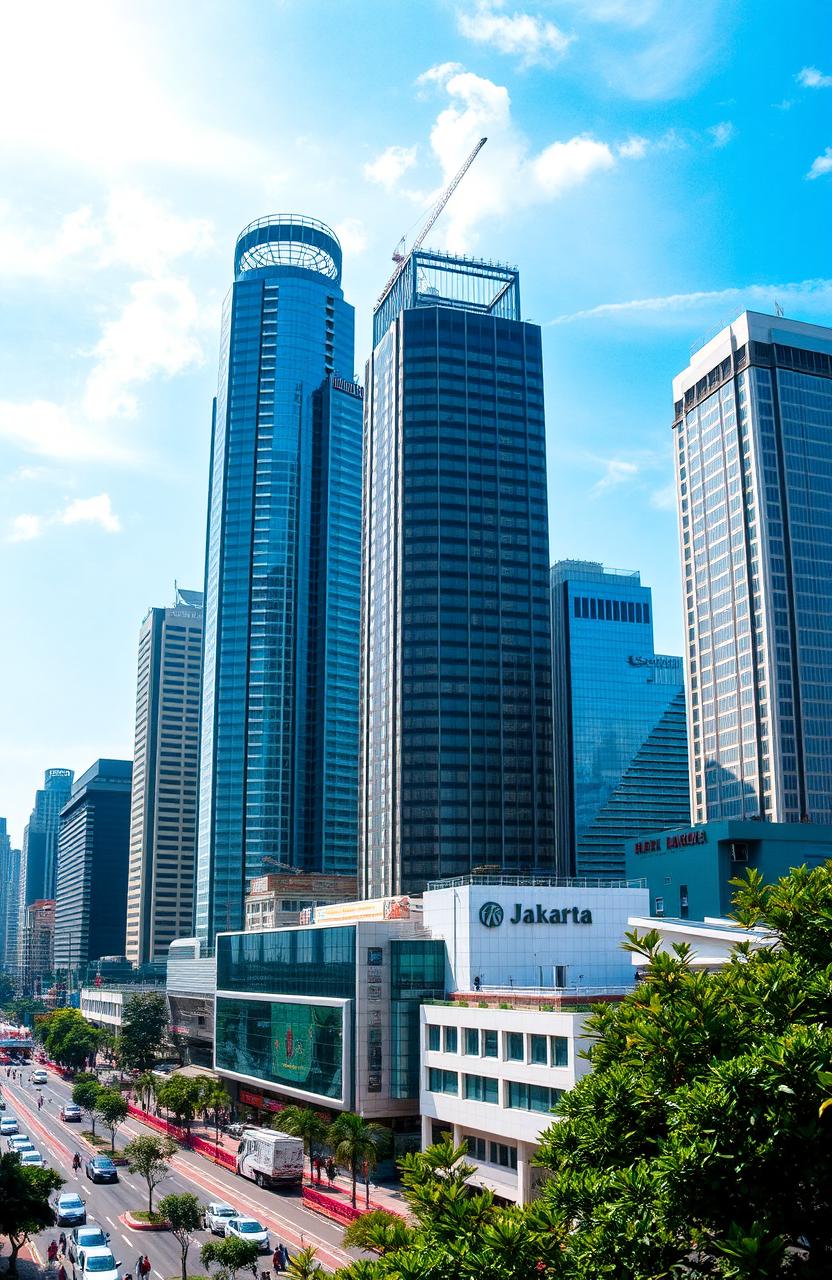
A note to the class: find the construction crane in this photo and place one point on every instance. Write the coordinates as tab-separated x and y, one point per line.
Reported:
400	257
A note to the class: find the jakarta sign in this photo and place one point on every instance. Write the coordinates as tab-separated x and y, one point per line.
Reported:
492	915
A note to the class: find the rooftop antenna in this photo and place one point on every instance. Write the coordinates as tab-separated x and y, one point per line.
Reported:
402	257
778	310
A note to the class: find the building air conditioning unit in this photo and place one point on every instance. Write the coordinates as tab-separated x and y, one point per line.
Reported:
739	851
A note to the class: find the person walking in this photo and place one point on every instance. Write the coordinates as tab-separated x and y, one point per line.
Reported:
62	1242
284	1255
52	1251
277	1260
145	1267
76	1162
330	1170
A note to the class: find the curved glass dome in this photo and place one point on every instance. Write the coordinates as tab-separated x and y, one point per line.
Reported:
289	240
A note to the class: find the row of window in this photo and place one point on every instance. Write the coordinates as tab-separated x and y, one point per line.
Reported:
537	1050
517	1095
611	610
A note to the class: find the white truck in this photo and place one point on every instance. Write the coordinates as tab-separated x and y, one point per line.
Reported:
270	1158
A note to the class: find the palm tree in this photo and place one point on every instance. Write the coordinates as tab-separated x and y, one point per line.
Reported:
145	1088
303	1122
355	1140
214	1098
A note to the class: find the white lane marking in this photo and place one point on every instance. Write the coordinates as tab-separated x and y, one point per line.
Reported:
125	1239
159	1274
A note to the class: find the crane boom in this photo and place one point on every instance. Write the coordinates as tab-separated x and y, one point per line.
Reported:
401	258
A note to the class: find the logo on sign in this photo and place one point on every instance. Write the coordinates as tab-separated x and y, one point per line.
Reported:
491	914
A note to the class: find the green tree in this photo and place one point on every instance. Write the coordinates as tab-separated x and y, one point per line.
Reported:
112	1109
215	1099
68	1038
698	1142
144	1022
26	1011
24	1203
303	1122
303	1265
185	1214
180	1095
378	1231
145	1087
229	1256
355	1140
7	991
86	1094
150	1157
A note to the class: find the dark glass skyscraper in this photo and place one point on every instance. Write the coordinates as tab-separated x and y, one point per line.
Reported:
456	749
279	719
753	436
620	745
39	858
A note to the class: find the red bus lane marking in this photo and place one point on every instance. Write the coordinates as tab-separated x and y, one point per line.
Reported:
293	1233
34	1123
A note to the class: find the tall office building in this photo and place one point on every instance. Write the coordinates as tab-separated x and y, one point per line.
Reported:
160	891
9	900
753	436
40	838
456	748
620	742
93	856
279	718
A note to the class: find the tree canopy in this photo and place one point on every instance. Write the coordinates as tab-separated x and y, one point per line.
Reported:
112	1108
185	1214
230	1256
24	1203
144	1022
150	1157
67	1037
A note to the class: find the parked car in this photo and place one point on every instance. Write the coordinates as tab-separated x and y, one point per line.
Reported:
71	1112
250	1230
70	1209
19	1142
101	1169
7	1125
216	1216
39	1076
90	1236
98	1263
32	1159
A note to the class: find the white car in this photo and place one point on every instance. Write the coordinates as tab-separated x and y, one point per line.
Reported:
32	1159
39	1077
19	1141
8	1125
98	1264
250	1230
217	1215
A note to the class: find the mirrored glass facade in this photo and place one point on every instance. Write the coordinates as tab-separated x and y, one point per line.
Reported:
455	664
620	743
753	429
278	767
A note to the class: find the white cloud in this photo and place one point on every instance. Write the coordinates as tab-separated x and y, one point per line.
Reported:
352	234
811	78
155	333
507	175
390	165
722	133
97	510
616	473
821	165
633	149
801	298
51	431
664	499
439	74
534	40
93	511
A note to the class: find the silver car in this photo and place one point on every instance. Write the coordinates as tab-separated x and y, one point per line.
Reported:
217	1215
248	1229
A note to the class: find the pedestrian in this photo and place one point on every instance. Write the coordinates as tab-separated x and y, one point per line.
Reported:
139	1268
62	1272
277	1259
330	1170
52	1251
62	1242
284	1256
145	1269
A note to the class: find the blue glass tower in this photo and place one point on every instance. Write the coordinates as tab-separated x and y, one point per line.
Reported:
279	716
456	751
620	745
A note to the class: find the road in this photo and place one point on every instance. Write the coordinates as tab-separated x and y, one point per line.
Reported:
283	1213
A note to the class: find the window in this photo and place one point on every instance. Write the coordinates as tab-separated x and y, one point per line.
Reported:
433	1037
450	1039
514	1047
532	1097
472	1041
489	1044
442	1081
476	1146
480	1089
659	911
560	1051
502	1154
538	1050
683	902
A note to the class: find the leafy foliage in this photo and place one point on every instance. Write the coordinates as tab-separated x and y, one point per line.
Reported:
229	1256
303	1265
112	1109
181	1095
184	1213
144	1022
86	1092
7	990
24	1203
67	1037
149	1157
303	1122
355	1140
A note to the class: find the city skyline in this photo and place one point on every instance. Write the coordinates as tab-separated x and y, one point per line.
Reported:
112	261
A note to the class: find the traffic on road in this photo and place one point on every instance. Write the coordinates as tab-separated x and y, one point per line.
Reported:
97	1194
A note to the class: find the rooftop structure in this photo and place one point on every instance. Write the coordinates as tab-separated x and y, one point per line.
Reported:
430	278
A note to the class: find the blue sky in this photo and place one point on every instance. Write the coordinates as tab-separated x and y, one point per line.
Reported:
653	167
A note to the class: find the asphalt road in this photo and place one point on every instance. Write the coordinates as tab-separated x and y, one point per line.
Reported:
283	1213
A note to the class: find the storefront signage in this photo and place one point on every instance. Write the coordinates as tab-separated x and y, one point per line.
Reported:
492	915
679	840
663	664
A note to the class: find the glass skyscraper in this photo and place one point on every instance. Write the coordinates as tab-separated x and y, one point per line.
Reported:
620	746
456	752
39	858
753	436
9	899
279	718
